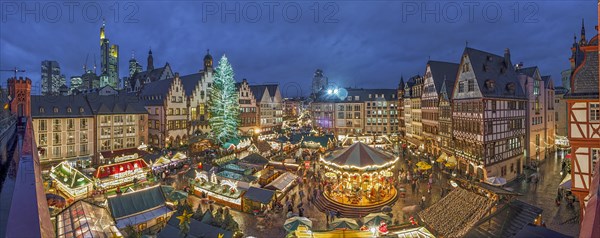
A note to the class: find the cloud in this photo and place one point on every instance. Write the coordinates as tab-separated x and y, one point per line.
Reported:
363	44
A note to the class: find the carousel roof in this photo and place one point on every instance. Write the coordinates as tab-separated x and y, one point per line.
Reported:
360	155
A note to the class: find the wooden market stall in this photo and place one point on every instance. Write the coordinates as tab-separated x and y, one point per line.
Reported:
71	181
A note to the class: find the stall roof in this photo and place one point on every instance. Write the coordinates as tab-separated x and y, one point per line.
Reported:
81	213
118	153
110	169
282	181
322	140
261	195
255	158
74	180
197	229
236	176
129	204
506	221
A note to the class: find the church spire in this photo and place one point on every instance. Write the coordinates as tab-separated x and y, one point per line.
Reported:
150	61
582	41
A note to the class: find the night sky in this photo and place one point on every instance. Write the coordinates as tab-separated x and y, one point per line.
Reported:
356	43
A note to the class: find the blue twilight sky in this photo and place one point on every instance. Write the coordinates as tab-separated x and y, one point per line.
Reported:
366	44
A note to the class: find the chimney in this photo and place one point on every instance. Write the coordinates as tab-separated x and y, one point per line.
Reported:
507	62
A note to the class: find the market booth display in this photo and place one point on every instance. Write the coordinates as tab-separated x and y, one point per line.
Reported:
122	173
224	192
70	181
141	209
360	176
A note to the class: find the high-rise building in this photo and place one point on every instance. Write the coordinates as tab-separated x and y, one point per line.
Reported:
89	80
319	82
51	77
134	66
109	62
76	82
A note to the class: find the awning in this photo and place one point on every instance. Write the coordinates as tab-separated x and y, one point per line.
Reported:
442	157
566	183
452	159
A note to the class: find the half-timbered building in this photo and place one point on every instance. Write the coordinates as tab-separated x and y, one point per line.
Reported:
489	116
435	74
248	108
583	113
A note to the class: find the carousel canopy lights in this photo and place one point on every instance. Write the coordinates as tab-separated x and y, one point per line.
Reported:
360	156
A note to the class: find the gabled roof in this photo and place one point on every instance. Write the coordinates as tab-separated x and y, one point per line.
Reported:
116	104
255	158
261	195
488	66
128	204
259	90
190	82
529	71
441	71
160	87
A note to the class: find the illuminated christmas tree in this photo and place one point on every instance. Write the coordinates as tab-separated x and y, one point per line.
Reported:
223	104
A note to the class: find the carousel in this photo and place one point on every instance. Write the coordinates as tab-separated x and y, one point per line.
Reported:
360	176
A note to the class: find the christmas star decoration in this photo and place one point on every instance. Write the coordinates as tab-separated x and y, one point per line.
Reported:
185	217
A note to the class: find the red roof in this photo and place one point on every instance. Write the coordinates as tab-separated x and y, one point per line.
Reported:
112	169
119	153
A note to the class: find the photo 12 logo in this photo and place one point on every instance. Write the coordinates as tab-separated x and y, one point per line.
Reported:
452	12
269	12
61	11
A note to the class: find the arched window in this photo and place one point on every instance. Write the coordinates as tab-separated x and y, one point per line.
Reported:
42	110
69	109
55	109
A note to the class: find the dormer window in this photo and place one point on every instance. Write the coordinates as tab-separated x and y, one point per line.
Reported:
42	110
69	109
55	109
81	110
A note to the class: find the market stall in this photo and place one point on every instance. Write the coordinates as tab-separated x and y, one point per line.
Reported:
224	192
161	162
70	181
257	199
360	175
119	174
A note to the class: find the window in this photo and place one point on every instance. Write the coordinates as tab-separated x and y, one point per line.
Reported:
471	85
83	124
83	137
118	120
56	138
81	110
105	120
43	140
42	110
105	145
83	149
70	151
55	109
42	125
56	151
70	137
130	142
118	131
493	106
130	119
155	111
118	143
461	87
70	124
536	87
594	111
69	109
56	126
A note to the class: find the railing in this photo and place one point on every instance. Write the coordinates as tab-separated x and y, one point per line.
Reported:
28	214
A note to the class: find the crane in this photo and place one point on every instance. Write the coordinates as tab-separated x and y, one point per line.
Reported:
15	70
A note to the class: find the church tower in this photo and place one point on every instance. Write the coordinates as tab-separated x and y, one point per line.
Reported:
208	62
19	91
150	66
